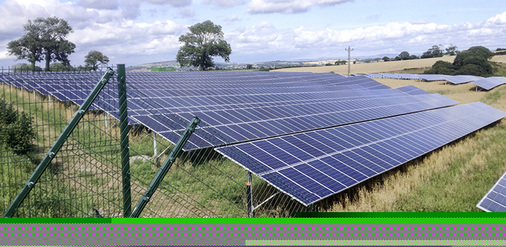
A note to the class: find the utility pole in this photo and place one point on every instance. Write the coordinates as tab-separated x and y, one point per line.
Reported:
349	49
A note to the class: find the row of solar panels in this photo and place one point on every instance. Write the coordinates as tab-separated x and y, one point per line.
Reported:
314	165
309	135
484	83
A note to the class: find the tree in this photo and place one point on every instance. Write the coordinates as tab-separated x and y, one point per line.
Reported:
24	67
201	44
44	39
60	67
451	50
435	51
27	47
403	56
94	59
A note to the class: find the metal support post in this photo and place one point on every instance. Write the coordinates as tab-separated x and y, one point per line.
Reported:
249	194
57	145
125	148
165	168
155	151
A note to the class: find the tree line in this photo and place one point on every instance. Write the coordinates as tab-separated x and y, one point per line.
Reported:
474	61
45	39
434	51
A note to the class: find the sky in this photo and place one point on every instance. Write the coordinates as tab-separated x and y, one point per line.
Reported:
134	32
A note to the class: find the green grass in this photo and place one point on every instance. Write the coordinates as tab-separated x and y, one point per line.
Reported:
465	180
87	170
494	96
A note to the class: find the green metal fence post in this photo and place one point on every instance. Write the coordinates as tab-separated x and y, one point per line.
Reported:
165	168
125	149
57	145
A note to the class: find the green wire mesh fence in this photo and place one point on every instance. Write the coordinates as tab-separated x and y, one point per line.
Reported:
84	179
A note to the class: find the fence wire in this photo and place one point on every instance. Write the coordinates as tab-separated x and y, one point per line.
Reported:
84	179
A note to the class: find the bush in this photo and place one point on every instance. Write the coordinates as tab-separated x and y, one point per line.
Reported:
16	130
478	55
441	67
473	61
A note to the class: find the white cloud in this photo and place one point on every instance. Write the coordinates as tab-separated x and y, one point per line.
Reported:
175	3
499	19
113	28
94	29
288	6
99	4
225	3
265	38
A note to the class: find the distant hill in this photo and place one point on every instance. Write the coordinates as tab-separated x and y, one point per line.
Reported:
149	66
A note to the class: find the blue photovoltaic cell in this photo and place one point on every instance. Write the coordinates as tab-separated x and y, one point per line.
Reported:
412	90
366	157
427	77
461	79
495	199
274	120
490	82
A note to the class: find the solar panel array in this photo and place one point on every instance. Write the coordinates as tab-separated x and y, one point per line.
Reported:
309	135
250	123
484	83
461	79
313	165
239	106
490	83
412	90
495	199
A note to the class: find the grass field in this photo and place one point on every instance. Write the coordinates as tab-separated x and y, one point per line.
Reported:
392	66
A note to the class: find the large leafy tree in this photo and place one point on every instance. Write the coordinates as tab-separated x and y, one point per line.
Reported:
44	39
201	44
94	59
435	51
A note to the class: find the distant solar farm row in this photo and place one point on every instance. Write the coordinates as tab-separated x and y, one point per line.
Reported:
309	135
483	83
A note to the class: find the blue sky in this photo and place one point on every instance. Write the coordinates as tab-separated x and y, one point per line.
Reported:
141	31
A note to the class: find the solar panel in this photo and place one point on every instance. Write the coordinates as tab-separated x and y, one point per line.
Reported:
461	79
412	90
243	124
371	75
490	82
495	199
313	165
428	77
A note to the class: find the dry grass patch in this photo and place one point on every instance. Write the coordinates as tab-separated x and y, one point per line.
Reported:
373	67
463	93
499	59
